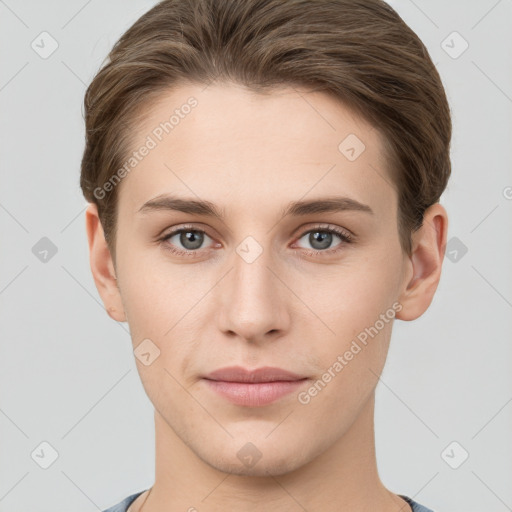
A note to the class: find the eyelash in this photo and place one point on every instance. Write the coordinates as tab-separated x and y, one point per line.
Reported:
345	237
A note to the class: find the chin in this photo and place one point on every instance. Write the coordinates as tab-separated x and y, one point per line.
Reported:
249	461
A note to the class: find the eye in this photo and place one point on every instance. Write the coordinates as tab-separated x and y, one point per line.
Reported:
188	240
321	238
191	239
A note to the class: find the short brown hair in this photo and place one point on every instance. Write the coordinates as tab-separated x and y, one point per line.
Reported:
359	51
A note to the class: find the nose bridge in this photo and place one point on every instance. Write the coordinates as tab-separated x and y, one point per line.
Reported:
251	270
250	301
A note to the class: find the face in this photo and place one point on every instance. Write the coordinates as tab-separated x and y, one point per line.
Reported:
300	269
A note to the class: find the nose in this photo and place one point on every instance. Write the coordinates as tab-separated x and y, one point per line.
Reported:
253	301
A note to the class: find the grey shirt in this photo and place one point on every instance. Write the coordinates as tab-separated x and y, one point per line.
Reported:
123	505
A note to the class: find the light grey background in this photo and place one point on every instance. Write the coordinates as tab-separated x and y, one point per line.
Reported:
68	375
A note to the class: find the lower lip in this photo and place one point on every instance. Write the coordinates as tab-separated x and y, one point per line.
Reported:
254	394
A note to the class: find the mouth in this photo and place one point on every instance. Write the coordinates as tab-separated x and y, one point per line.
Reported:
253	388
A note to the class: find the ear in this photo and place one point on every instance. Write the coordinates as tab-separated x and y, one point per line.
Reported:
102	266
425	262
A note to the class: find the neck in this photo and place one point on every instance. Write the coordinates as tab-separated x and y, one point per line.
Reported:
345	474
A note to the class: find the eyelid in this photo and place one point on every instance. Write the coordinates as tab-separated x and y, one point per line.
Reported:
164	233
343	232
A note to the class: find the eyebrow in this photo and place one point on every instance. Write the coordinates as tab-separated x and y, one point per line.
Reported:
295	208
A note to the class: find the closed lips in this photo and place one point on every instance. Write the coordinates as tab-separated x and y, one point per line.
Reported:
258	375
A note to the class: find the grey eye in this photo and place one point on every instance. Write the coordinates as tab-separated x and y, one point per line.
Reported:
320	239
190	239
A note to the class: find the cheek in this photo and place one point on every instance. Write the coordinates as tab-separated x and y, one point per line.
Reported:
352	351
148	285
354	313
353	297
164	303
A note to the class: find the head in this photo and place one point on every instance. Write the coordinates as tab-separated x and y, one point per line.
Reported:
266	113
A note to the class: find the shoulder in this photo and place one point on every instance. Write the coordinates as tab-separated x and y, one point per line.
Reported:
416	507
122	506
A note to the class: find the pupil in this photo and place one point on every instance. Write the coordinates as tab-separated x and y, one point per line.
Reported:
325	239
192	237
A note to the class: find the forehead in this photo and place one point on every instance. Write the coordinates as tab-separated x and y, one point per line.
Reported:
227	142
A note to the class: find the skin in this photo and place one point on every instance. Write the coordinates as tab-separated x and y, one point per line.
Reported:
252	154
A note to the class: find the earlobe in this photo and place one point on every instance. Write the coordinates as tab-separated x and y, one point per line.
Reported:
102	266
426	260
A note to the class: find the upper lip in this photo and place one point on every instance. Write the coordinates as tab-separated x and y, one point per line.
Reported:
263	374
